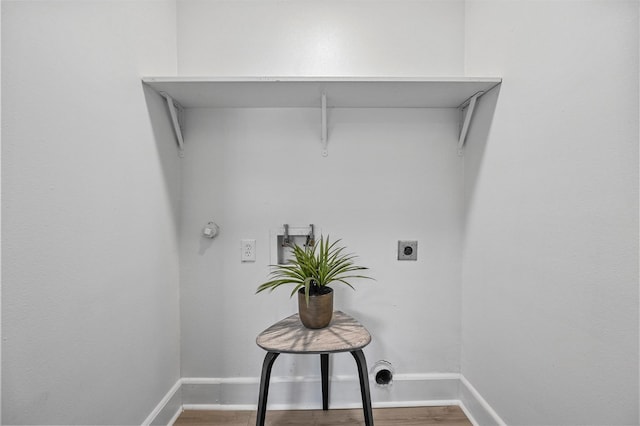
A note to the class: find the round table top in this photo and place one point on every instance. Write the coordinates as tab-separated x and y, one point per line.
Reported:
344	334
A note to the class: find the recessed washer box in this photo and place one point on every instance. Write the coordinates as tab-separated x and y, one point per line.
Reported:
280	254
407	250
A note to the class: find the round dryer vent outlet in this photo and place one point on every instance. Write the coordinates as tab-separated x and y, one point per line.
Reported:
383	373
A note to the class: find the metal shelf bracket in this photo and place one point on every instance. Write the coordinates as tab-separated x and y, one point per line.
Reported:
323	129
467	108
175	110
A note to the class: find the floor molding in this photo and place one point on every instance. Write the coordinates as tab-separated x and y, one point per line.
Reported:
482	408
163	404
176	415
299	393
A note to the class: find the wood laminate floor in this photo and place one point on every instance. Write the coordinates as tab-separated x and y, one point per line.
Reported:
410	416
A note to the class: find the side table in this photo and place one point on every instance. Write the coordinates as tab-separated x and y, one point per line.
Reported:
344	334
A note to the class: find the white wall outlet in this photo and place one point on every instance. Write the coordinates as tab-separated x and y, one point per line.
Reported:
248	250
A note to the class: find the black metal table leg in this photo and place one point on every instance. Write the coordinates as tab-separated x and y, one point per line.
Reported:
264	386
324	368
364	386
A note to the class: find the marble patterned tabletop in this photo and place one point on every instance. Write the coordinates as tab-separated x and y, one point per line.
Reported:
344	334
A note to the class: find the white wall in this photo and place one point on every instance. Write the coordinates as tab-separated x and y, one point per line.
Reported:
0	225
89	234
550	267
320	38
91	203
390	175
253	170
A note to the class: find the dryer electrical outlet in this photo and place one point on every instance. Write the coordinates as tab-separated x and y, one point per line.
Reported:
407	250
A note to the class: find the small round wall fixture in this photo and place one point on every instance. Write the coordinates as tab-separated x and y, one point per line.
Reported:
210	230
383	373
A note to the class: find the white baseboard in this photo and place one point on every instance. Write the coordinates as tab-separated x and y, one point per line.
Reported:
175	416
482	411
163	405
300	393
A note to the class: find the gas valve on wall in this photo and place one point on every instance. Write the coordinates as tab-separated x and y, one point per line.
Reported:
210	230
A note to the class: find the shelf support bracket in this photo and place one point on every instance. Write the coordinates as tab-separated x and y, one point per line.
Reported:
323	128
174	110
469	105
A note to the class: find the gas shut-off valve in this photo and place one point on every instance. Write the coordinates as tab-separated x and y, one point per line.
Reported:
210	230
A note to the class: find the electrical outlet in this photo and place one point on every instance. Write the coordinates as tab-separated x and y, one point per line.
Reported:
248	250
407	250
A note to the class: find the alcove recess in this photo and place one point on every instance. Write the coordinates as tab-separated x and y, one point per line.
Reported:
322	93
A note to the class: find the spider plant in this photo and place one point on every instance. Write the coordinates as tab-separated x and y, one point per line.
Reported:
313	267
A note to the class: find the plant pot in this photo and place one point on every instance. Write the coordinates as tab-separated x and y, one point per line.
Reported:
320	310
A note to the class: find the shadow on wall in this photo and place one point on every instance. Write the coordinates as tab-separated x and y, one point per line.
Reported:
167	147
476	143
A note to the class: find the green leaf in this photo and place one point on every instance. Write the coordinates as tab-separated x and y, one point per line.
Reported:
324	262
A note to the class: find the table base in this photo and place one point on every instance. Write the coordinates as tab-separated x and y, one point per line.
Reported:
363	376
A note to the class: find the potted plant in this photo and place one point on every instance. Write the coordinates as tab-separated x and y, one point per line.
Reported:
310	271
